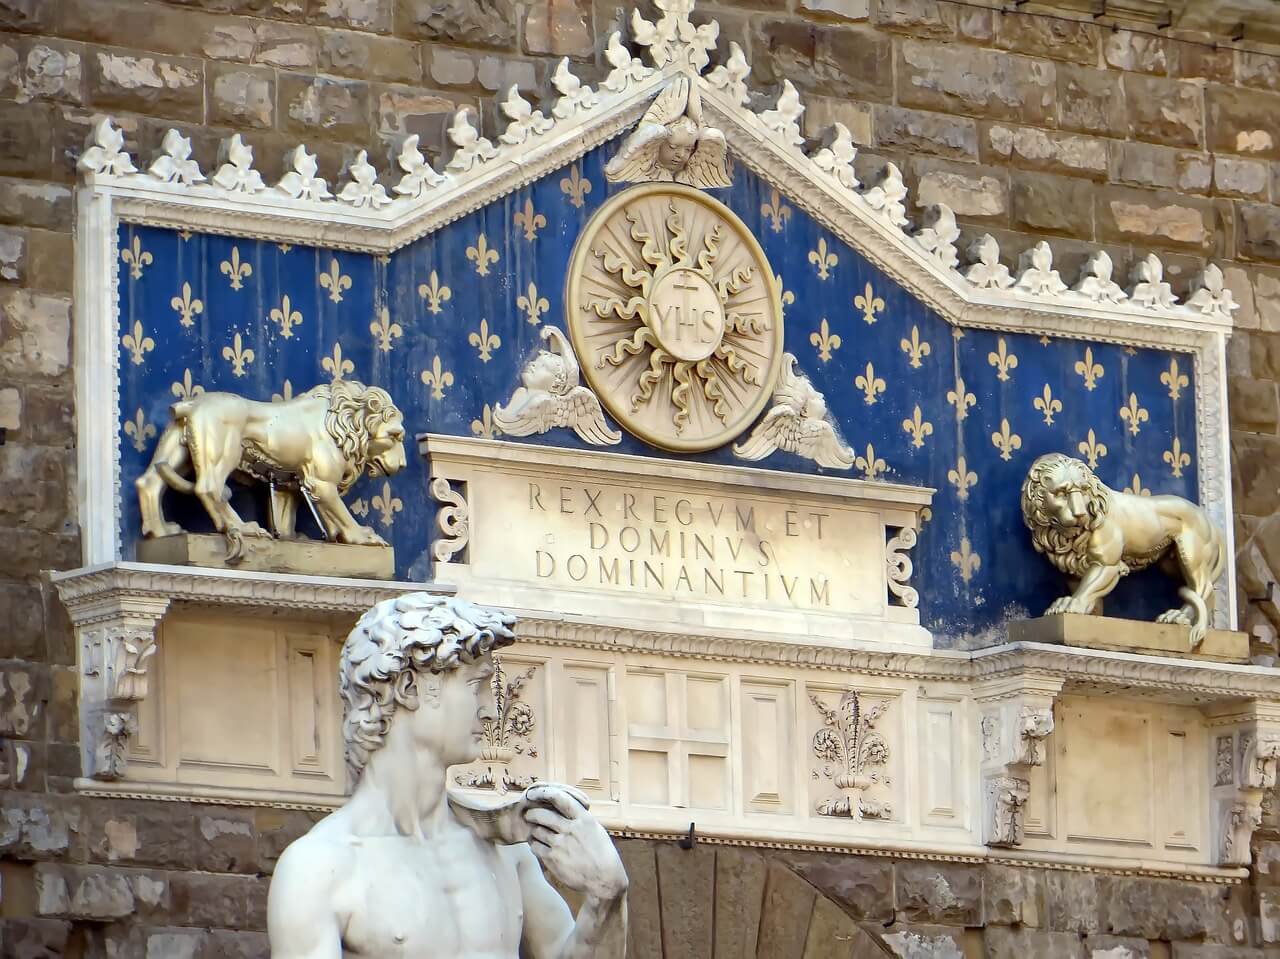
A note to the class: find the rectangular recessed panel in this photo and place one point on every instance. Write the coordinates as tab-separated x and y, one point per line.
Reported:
1106	773
647	699
766	747
306	702
1182	792
586	739
648	778
937	757
708	782
706	704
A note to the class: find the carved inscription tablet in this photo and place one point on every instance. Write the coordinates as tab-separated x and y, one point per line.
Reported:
675	316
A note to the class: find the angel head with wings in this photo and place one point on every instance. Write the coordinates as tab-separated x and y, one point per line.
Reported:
673	144
797	423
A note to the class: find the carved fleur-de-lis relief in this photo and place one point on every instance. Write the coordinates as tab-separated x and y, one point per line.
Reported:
336	365
986	271
104	151
1209	294
384	331
1096	283
1175	380
626	69
898	567
137	343
530	220
823	259
471	149
731	76
1047	405
1006	441
575	186
482	255
836	159
1149	287
453	520
915	348
300	181
238	355
532	304
1136	488
852	753
1002	360
783	121
435	293
1176	459
673	36
419	175
136	257
139	430
387	504
236	174
524	121
285	316
484	341
483	426
962	478
870	384
575	96
1088	370
187	306
174	162
335	281
1133	414
235	270
887	198
1037	275
777	213
966	561
869	304
285	394
870	464
186	388
438	378
961	398
825	341
939	234
917	427
1091	449
507	735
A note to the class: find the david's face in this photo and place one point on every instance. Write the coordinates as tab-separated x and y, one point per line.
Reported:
453	709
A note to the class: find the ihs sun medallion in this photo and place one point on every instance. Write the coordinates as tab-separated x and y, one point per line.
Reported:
676	316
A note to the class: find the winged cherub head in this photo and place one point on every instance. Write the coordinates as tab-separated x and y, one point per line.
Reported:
673	143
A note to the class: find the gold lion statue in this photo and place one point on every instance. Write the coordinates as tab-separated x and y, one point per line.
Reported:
314	446
1095	535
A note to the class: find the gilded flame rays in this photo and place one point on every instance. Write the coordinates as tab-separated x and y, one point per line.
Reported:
676	316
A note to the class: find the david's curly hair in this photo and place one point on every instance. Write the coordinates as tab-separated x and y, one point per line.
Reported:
417	632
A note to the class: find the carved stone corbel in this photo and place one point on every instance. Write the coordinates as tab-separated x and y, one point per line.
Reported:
1016	720
1245	739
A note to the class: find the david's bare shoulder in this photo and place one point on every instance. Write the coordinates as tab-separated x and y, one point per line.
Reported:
321	859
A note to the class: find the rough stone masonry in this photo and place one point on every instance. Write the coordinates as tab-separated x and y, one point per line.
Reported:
1026	124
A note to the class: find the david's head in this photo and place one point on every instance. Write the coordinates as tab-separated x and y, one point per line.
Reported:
421	663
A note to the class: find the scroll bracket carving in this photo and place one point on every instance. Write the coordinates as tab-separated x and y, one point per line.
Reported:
453	520
1245	743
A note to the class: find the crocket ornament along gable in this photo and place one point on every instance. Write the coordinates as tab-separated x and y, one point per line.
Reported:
685	244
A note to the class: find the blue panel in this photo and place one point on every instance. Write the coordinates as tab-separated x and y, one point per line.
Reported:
481	333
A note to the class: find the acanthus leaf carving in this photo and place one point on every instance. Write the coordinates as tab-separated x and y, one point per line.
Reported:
938	237
471	148
783	120
852	752
987	272
731	76
363	189
1096	283
524	120
453	520
1237	821
236	174
1015	725
627	70
419	174
109	760
836	159
300	182
673	36
1037	275
104	151
1210	295
174	162
1006	801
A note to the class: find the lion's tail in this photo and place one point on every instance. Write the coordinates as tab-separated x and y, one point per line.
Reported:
171	477
1200	625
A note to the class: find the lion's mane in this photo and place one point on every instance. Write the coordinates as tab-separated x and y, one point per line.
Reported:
1066	547
354	413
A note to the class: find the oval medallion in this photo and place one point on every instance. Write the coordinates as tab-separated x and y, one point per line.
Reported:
675	316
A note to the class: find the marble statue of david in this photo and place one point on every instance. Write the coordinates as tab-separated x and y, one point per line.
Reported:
404	870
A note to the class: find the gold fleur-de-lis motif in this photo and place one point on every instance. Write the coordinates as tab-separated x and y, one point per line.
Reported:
778	212
188	307
387	504
785	295
435	293
336	365
1136	488
139	430
1002	360
1092	450
1045	339
136	257
575	186
918	427
961	398
384	331
238	355
286	316
915	348
1176	458
533	304
360	508
186	235
531	220
1006	441
137	343
482	255
186	389
285	394
484	427
1175	380
966	560
284	247
335	281
1088	369
1133	414
869	304
825	340
962	478
871	465
1047	405
822	259
870	384
438	378
235	270
484	341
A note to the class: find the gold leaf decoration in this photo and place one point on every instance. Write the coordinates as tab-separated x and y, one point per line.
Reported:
238	356
1047	405
136	257
918	427
531	220
1002	360
335	365
1174	379
787	297
1006	441
915	348
777	212
825	261
1135	487
1089	370
484	426
961	398
285	394
533	304
438	378
825	341
1133	414
387	504
962	478
384	331
575	186
187	306
484	341
235	270
139	430
966	560
137	343
1092	450
870	384
869	304
482	255
1176	458
286	316
335	281
360	507
435	293
871	465
187	388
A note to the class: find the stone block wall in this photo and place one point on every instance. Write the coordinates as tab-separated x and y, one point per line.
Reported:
1025	124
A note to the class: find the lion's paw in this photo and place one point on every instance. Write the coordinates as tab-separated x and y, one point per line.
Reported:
1179	617
362	536
1061	605
255	530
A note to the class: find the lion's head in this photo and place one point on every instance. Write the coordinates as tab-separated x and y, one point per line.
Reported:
367	428
1063	502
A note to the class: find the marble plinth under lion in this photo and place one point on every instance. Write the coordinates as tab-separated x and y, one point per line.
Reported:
402	869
